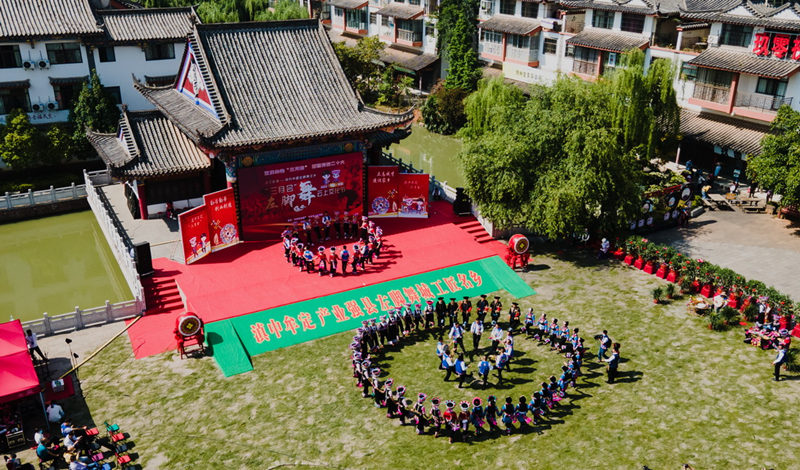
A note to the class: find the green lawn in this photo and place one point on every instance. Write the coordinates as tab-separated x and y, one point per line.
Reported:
689	395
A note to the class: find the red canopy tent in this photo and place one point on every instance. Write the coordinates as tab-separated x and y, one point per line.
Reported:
18	378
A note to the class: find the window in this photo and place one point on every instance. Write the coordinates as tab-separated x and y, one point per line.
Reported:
384	20
66	94
550	45
64	53
770	86
413	2
430	29
338	11
735	35
114	94
603	19
611	61
714	77
530	9
13	98
520	42
632	23
106	54
356	19
585	54
9	57
689	71
491	36
507	7
373	18
159	51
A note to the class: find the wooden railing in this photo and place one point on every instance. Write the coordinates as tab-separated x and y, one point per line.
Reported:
47	196
584	67
710	92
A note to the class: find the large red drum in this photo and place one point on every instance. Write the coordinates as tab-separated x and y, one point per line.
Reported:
519	243
188	324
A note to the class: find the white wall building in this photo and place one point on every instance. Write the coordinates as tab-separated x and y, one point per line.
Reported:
47	53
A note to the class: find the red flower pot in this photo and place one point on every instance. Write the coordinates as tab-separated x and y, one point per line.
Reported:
639	263
672	276
733	301
628	259
649	268
706	290
619	254
695	286
662	272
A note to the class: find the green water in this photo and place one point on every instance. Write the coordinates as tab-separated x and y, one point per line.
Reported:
432	153
55	263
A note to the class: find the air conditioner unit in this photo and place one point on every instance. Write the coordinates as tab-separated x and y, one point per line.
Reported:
43	64
52	105
29	65
38	107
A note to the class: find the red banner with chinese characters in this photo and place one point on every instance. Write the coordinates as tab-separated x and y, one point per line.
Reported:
221	210
193	225
382	190
414	190
272	196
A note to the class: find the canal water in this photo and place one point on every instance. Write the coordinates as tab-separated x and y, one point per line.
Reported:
54	264
432	153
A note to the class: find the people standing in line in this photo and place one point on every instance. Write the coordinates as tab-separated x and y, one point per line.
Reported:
612	363
780	359
441	312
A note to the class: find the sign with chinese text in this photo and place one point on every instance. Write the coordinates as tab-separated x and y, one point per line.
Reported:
193	226
272	196
382	190
304	321
221	209
776	45
414	190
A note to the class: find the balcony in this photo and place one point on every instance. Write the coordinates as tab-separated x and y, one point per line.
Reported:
409	36
758	106
522	54
491	50
711	92
584	67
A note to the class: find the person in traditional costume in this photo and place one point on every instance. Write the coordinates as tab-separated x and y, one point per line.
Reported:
508	415
419	413
477	415
466	310
514	315
496	307
463	420
484	367
521	412
451	420
482	308
436	416
492	412
333	260
441	312
429	314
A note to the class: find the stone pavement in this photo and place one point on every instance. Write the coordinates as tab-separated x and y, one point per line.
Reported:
757	246
162	233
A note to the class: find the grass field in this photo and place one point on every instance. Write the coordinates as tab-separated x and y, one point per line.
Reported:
687	394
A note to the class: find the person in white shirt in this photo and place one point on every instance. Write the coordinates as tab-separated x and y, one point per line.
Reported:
54	413
38	436
496	336
457	335
477	330
76	464
33	345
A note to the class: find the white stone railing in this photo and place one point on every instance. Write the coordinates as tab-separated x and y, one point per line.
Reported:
46	196
79	319
117	239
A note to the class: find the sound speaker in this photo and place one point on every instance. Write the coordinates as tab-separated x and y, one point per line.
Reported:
144	261
462	205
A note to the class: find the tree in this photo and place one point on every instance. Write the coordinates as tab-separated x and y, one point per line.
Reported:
463	67
284	10
566	159
360	64
778	166
18	141
94	110
443	111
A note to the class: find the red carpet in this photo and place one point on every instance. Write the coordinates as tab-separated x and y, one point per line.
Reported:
254	276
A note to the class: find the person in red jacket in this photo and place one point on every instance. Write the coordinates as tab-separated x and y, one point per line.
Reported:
333	261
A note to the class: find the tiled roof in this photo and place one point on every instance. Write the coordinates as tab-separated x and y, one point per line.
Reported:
349	4
607	40
159	80
35	19
409	60
726	132
746	13
627	6
693	26
270	82
511	24
16	84
151	147
745	62
401	11
148	24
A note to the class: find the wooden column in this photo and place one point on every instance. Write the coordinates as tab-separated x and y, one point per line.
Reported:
732	94
142	201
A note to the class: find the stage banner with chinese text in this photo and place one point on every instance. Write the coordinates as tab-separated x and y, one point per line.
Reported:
279	327
221	210
382	191
272	196
193	226
414	190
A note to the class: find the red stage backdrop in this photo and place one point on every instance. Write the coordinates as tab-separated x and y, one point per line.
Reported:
270	196
221	210
193	226
414	189
382	191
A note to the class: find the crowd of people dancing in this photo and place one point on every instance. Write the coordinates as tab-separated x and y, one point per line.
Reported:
466	419
312	255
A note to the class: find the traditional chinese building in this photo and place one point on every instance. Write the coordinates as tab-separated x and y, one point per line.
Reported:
268	103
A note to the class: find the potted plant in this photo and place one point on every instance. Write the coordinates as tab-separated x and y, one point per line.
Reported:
662	271
730	316
750	310
658	293
687	285
715	321
631	249
672	276
669	290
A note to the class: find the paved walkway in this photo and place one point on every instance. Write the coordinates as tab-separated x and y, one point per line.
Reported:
162	234
758	246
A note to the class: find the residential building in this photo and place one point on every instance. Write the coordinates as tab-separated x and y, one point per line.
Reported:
48	52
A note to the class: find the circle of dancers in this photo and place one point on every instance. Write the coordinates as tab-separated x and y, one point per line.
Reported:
466	419
312	255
